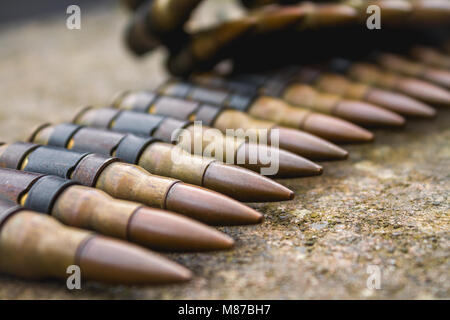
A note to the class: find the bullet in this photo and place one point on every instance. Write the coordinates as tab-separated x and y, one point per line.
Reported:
194	138
88	208
296	141
166	193
396	102
325	126
157	158
430	56
410	68
36	246
356	111
422	90
280	112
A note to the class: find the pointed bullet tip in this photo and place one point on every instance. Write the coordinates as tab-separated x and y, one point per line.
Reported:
114	261
291	195
163	230
364	113
319	170
369	136
336	130
208	206
242	184
345	155
430	113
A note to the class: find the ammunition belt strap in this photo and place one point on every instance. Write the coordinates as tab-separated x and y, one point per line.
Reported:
54	161
97	141
224	83
62	134
175	107
140	101
7	209
242	87
275	87
169	128
137	123
90	168
208	114
272	86
220	98
131	148
45	191
14	154
14	184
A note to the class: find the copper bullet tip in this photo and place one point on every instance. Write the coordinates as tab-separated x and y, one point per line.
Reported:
424	90
319	148
400	103
244	185
209	207
367	114
174	232
336	130
290	165
114	261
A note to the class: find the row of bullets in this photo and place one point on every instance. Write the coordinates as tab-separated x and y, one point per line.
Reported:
111	170
76	172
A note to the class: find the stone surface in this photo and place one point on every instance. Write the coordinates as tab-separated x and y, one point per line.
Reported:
385	209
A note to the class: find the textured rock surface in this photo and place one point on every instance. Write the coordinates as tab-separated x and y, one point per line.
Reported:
387	206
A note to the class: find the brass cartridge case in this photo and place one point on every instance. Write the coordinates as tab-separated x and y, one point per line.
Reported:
37	246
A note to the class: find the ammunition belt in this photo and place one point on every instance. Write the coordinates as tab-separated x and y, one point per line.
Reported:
140	101
45	191
137	123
